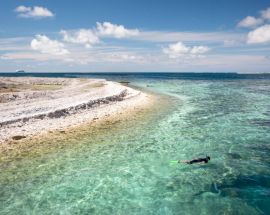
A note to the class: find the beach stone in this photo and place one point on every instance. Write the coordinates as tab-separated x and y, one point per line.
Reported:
18	137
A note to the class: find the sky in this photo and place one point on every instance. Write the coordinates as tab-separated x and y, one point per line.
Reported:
135	36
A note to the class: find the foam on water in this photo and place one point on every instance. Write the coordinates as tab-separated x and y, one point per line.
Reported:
128	171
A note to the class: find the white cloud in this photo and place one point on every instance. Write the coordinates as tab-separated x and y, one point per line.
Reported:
259	35
250	22
33	12
45	45
178	50
21	9
117	31
82	36
199	50
266	13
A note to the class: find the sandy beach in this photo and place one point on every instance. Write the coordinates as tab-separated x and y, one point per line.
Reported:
35	106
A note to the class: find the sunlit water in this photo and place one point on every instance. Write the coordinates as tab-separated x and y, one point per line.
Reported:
128	171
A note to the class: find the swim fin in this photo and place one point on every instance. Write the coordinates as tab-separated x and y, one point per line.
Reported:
173	162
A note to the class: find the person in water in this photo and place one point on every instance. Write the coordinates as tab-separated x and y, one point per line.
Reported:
198	160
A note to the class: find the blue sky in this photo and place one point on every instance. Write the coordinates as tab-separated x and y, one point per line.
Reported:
135	36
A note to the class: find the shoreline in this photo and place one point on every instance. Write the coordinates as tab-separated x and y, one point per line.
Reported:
57	114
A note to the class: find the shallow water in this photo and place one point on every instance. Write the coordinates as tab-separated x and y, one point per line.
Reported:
128	170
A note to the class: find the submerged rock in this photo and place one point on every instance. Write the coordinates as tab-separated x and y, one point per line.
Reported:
234	155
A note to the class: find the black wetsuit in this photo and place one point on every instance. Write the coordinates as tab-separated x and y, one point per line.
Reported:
199	160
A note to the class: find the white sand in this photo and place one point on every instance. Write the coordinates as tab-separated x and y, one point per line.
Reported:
74	101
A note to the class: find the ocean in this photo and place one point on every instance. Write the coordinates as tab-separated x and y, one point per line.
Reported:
129	170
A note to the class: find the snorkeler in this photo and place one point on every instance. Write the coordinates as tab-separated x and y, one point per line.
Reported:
198	160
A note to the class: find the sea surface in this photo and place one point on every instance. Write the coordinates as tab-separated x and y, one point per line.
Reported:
129	170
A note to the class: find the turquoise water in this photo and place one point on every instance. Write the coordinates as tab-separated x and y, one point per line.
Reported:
128	170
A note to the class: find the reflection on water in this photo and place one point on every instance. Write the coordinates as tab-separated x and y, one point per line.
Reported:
127	170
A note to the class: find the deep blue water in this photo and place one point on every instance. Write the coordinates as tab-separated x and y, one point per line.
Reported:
149	75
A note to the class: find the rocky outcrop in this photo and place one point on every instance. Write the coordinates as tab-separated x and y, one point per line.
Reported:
70	110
